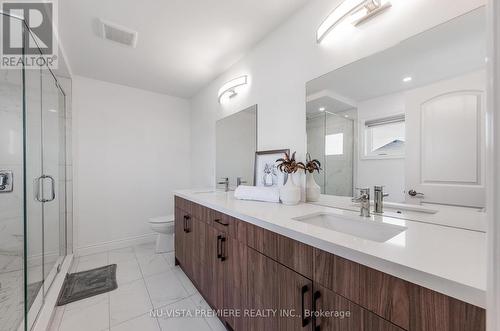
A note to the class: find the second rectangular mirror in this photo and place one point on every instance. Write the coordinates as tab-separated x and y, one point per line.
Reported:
410	118
236	143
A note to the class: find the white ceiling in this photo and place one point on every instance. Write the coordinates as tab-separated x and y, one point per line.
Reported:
326	100
182	44
448	50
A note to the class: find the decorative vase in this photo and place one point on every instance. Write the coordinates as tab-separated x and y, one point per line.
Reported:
313	190
268	180
290	193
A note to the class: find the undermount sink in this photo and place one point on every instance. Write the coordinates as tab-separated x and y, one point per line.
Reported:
355	226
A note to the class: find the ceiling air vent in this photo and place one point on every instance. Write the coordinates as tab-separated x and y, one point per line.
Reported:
118	34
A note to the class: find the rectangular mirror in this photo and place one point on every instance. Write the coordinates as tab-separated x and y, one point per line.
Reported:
410	118
236	144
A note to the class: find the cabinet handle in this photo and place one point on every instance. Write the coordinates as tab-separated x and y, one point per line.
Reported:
186	224
223	248
219	253
316	296
305	320
220	222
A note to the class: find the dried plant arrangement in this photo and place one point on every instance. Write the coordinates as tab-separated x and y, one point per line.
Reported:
311	165
289	165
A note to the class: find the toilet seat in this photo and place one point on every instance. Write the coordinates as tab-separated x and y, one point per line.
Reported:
162	219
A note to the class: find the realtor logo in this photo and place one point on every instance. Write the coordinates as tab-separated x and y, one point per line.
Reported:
28	34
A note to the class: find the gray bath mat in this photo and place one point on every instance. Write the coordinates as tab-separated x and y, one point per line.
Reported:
86	284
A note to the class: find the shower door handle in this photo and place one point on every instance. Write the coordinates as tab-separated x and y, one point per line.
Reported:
52	188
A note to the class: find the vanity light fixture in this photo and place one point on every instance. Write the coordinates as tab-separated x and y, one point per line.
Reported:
361	10
407	79
228	90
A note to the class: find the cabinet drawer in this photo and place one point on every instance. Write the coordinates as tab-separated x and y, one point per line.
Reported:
296	256
262	240
432	311
202	213
231	226
385	295
180	203
337	274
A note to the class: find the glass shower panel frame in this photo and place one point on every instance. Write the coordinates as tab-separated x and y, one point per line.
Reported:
33	240
34	209
12	231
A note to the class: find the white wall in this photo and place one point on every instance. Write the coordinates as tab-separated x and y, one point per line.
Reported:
281	64
131	149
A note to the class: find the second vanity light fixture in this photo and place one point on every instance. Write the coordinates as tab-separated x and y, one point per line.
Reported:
358	10
228	90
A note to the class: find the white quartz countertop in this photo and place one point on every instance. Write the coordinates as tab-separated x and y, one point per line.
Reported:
445	259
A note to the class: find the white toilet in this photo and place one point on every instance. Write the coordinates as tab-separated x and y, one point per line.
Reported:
164	226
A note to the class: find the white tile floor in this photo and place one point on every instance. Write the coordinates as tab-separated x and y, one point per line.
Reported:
146	281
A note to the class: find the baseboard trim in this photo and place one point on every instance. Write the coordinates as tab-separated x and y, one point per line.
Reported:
115	244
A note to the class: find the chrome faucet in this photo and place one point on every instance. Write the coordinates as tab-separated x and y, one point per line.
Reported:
225	182
364	200
239	181
378	198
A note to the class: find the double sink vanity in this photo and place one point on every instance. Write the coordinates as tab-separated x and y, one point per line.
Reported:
407	124
266	266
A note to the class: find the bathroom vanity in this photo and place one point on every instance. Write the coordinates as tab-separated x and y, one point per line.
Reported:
274	267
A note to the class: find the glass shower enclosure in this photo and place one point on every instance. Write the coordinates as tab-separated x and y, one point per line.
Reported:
331	138
32	188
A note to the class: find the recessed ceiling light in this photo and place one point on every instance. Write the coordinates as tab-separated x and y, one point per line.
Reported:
407	79
346	116
321	108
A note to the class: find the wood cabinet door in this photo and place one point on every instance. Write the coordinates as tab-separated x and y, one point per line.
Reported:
328	302
197	243
235	282
263	292
336	313
295	300
188	244
179	235
279	294
213	273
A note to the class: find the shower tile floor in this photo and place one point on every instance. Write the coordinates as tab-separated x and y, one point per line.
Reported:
146	282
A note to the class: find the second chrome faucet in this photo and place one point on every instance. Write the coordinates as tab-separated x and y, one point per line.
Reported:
364	200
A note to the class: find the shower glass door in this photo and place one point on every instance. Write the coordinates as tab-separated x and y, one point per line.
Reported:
52	182
45	174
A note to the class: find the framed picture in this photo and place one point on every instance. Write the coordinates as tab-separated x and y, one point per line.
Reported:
266	168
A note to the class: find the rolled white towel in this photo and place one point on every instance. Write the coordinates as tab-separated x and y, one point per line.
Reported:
257	193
